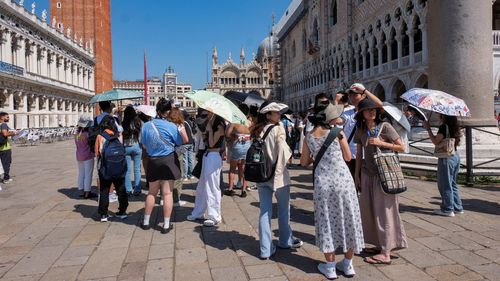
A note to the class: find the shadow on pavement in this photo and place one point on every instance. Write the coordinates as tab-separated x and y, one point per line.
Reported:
413	209
477	205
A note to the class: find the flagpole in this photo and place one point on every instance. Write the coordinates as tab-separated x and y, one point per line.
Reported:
146	97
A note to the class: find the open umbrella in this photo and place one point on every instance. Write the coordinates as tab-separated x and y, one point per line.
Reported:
149	110
397	115
116	95
436	101
245	98
217	104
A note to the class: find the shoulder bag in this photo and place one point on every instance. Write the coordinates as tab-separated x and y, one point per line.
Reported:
389	170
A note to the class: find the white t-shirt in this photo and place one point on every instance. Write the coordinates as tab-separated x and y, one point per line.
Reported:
349	126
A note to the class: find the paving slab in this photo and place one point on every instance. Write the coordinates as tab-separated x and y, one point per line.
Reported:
55	235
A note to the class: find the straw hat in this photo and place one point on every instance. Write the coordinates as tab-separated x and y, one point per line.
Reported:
274	106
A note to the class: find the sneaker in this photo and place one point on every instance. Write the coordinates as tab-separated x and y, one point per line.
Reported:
445	214
296	243
459	212
191	177
210	223
185	179
328	271
7	181
121	215
137	193
346	268
192	218
180	203
113	197
272	254
243	194
104	218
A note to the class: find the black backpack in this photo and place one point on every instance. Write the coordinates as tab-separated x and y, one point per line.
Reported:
113	162
3	139
258	167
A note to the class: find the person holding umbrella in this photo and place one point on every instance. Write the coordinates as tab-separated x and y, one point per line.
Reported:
447	168
208	191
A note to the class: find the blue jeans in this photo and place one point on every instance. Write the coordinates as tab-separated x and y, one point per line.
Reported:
266	212
447	173
188	160
133	153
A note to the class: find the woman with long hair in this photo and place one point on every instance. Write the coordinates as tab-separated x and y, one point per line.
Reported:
239	141
84	157
382	226
177	117
132	125
337	217
208	192
448	168
279	185
160	137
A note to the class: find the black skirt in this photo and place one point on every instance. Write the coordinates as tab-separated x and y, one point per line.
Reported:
164	168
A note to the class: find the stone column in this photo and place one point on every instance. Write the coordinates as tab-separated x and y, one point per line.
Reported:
372	58
425	49
411	34
363	54
389	53
399	38
21	52
380	55
460	48
7	51
34	58
36	118
43	62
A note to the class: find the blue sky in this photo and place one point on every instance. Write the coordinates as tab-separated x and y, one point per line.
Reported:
182	32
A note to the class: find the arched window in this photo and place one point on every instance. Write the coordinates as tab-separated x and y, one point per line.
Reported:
333	12
315	32
304	41
384	48
394	45
375	52
406	40
417	36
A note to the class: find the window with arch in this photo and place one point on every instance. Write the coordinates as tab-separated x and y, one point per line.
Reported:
304	40
59	5
315	32
333	12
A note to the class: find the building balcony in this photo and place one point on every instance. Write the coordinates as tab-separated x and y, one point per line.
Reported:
45	81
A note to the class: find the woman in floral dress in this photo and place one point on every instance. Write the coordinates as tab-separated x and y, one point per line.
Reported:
336	210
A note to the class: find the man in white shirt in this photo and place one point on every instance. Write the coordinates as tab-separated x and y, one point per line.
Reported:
357	92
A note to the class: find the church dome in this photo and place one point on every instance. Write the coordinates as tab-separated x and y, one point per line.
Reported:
270	44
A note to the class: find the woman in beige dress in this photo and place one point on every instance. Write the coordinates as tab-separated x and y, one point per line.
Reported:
382	226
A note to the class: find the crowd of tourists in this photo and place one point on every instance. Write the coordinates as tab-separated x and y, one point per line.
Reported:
340	135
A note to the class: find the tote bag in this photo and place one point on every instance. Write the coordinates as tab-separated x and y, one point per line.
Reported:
446	148
389	171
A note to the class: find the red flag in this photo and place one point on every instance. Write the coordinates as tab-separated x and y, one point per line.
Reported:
146	99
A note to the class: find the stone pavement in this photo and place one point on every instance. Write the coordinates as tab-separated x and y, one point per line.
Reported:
48	233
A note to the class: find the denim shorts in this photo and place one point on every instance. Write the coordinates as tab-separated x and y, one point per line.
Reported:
239	150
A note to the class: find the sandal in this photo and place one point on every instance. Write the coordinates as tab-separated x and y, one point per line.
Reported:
373	260
370	251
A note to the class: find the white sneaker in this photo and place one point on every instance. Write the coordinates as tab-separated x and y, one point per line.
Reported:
456	213
345	267
113	197
329	272
180	203
210	222
445	214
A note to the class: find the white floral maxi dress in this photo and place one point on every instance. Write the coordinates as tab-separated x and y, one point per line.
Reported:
336	208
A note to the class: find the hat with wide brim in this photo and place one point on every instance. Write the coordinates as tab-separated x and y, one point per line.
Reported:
85	122
367	104
274	106
333	112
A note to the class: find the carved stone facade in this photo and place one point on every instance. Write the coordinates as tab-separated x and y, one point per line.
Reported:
46	77
254	77
328	44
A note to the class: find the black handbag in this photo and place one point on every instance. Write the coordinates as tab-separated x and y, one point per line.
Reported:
199	163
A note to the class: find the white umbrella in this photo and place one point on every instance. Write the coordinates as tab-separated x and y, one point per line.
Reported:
149	110
397	115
